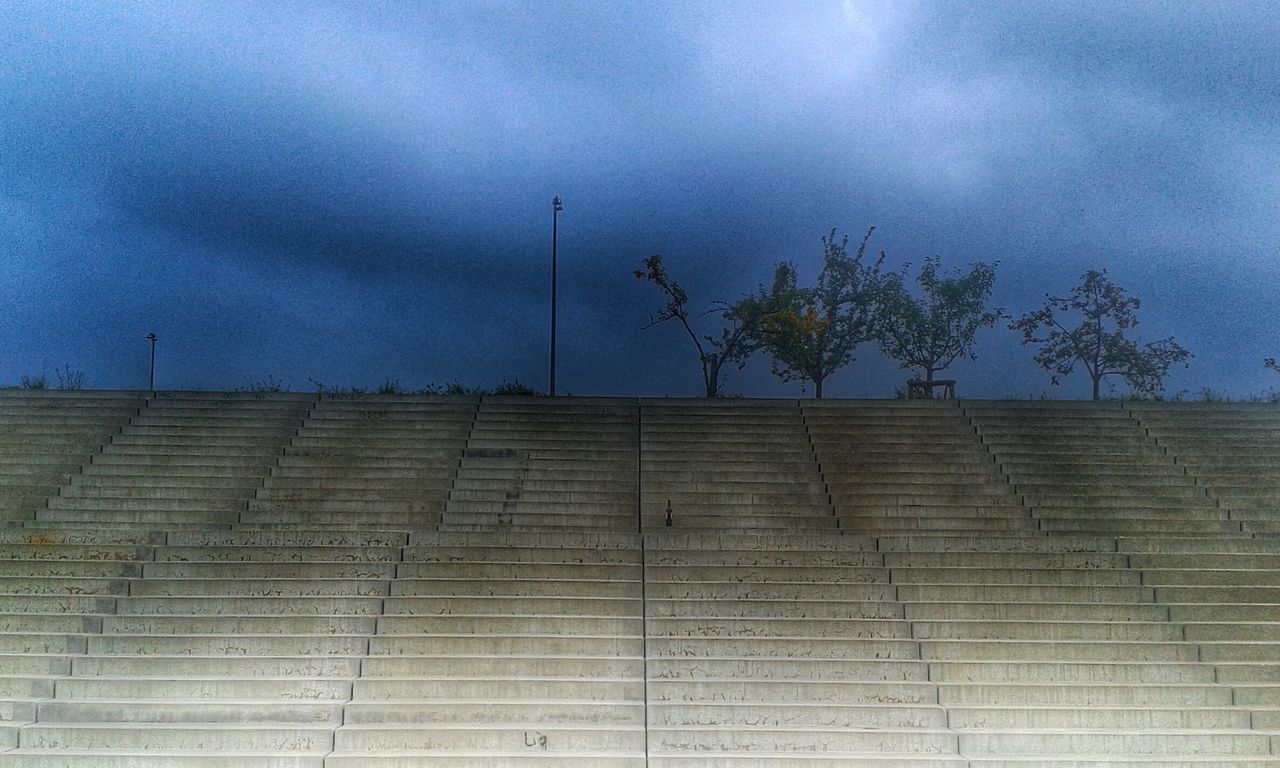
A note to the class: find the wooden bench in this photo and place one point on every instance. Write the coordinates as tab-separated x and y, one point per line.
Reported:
919	388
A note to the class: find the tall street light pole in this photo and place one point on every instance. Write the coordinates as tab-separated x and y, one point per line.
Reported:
556	208
151	337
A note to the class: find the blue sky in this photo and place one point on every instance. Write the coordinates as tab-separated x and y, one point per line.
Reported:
349	192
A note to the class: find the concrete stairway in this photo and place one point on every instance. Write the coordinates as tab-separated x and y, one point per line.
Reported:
213	648
505	649
359	463
901	466
740	466
934	627
1057	651
776	650
1231	448
1090	468
45	436
534	466
186	460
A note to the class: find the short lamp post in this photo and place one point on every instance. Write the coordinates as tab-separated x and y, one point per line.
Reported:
556	208
151	337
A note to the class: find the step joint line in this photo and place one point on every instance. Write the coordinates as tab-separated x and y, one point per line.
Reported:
644	640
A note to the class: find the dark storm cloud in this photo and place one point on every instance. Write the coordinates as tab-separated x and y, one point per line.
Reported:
353	191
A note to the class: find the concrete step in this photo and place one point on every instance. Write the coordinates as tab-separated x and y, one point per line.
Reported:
232	625
513	606
799	694
176	737
1061	650
1105	696
775	759
74	568
228	645
295	668
26	758
204	690
1147	743
380	738
549	645
755	740
1092	717
786	648
728	671
1097	673
775	609
524	666
245	587
799	716
284	554
569	691
269	570
544	712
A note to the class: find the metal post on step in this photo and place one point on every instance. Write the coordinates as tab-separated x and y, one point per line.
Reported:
556	208
151	337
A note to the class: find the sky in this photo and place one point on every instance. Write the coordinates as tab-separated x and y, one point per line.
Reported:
350	193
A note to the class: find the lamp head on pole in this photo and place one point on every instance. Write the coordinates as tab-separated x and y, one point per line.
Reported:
556	207
151	337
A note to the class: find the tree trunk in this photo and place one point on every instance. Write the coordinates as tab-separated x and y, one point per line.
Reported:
711	377
928	376
817	388
1097	380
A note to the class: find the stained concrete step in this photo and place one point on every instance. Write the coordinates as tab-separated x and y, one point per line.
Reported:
1056	630
976	719
774	759
525	666
228	645
786	647
381	738
787	609
85	568
924	742
543	712
146	688
797	694
244	587
799	715
515	758
26	758
297	668
549	645
1101	695
1147	743
1087	673
1061	650
176	737
570	692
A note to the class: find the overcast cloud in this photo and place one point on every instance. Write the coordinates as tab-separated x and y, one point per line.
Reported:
349	192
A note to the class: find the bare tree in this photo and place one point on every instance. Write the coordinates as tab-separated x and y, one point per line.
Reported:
737	340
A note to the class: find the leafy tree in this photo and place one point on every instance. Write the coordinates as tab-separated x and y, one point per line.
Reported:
932	332
738	338
1098	343
812	332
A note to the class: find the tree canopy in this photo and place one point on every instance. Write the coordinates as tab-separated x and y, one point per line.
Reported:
933	331
1098	341
812	332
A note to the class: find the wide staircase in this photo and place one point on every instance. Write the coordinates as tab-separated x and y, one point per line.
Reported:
194	579
742	466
